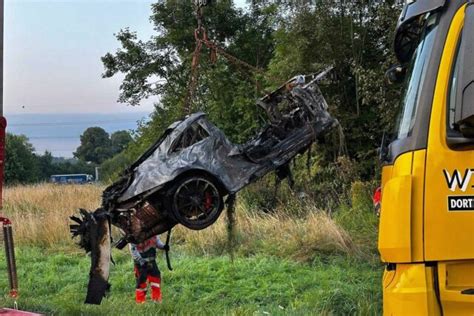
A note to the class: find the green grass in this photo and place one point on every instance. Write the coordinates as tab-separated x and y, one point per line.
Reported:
54	282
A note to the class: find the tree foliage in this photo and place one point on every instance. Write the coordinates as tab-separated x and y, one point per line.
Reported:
161	66
284	38
23	165
356	38
97	146
20	162
119	141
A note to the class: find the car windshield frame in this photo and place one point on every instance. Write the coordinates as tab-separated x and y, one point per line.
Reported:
416	77
174	149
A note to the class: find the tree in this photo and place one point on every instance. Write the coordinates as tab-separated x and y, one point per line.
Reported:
111	168
21	165
46	165
285	38
226	91
119	141
95	146
356	38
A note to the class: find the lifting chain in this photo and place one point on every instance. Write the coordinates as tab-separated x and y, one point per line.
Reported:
201	37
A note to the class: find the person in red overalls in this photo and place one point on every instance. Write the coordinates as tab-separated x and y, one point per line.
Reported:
146	269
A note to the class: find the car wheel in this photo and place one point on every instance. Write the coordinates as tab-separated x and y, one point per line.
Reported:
196	202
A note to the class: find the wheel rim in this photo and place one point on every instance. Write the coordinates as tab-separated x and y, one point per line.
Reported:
197	201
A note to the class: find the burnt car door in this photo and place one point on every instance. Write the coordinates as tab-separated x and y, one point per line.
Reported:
203	147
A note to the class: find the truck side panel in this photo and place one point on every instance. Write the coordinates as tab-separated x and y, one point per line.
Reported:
449	217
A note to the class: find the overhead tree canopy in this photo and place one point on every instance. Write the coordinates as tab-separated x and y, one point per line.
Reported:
284	39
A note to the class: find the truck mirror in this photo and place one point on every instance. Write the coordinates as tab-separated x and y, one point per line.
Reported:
396	74
464	112
408	28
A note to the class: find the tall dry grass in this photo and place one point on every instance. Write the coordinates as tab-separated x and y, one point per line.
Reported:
277	234
40	214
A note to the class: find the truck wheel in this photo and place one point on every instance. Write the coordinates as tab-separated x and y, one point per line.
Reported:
196	202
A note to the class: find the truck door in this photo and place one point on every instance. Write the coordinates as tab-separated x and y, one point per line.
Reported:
449	180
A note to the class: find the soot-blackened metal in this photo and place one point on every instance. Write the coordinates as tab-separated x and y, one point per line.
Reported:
298	115
235	166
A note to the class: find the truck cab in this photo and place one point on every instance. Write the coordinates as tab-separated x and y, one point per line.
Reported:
426	232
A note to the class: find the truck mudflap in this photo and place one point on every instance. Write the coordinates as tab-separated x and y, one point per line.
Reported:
94	231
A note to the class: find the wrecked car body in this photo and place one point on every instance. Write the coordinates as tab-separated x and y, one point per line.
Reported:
184	176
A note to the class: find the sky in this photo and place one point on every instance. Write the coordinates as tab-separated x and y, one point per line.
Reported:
53	84
53	50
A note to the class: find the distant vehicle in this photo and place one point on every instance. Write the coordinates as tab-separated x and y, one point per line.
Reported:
71	178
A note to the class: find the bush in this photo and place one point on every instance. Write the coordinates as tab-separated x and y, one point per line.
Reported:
331	184
325	187
111	168
359	219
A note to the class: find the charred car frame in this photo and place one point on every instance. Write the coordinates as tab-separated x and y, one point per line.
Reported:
185	175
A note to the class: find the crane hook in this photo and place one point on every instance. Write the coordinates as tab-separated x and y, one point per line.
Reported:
202	3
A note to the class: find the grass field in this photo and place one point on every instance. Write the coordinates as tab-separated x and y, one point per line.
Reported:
282	264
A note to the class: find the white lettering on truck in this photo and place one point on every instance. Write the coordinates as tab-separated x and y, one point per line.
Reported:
457	180
461	203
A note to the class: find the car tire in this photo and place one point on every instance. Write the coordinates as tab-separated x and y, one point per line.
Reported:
196	201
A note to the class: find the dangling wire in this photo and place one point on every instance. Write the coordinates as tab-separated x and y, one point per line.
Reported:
231	236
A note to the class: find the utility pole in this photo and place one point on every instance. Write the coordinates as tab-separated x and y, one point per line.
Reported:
3	121
6	223
97	174
2	22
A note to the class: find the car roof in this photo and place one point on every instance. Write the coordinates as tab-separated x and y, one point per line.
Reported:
188	120
178	125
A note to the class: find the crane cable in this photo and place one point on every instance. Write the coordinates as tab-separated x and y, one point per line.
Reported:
201	37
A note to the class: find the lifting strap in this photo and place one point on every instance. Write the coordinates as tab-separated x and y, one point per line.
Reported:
201	37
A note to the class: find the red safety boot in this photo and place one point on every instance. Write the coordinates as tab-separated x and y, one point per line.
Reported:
155	284
140	295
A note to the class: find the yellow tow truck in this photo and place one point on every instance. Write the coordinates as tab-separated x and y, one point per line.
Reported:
426	235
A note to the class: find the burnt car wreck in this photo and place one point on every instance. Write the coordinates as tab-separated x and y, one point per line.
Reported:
185	175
